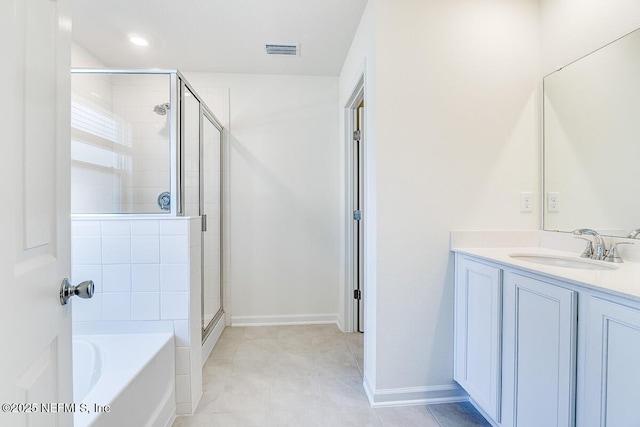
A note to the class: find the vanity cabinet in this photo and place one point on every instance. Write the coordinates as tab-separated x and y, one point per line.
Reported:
478	296
534	351
609	368
539	353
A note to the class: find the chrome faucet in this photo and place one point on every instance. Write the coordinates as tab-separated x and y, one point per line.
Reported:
599	251
633	234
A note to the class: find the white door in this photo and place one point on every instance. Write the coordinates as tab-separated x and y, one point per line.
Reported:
35	329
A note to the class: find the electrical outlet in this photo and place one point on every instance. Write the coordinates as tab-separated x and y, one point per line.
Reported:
526	201
553	201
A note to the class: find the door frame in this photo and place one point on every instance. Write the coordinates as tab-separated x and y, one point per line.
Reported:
350	119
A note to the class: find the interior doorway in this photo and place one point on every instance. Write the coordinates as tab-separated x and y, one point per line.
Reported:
355	148
357	224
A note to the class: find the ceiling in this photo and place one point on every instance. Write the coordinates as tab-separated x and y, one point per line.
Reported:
226	36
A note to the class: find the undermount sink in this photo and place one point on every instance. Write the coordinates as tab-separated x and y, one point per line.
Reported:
564	261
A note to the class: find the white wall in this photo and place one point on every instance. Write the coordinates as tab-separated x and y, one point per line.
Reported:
80	57
456	137
284	182
360	60
573	28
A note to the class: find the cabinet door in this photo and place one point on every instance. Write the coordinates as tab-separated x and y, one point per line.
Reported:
539	324
609	375
477	333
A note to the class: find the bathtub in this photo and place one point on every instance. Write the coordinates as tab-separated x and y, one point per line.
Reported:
133	373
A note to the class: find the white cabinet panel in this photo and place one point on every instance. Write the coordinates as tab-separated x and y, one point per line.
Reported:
539	353
477	333
609	376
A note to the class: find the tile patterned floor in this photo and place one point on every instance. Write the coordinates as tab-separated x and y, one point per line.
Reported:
301	376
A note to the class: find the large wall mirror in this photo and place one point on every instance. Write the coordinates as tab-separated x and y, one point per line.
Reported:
592	141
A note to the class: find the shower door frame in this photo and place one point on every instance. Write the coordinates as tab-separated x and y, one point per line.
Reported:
203	112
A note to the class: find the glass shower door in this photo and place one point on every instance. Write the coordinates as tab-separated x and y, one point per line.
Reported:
201	196
212	239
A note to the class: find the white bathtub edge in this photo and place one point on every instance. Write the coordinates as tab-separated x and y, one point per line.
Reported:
123	327
130	383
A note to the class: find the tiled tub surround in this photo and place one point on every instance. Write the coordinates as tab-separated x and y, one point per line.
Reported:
145	269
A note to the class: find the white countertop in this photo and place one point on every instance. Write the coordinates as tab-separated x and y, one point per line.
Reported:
624	281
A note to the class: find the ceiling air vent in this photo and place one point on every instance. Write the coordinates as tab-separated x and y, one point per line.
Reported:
282	49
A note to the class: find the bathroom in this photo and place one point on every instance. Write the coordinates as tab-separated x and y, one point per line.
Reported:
453	103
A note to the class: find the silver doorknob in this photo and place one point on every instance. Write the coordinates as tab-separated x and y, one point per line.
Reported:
83	290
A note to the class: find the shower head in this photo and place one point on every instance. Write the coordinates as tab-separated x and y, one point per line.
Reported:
161	109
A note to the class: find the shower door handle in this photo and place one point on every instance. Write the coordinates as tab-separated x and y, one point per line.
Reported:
83	290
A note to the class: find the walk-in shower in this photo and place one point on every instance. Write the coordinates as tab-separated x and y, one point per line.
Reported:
143	142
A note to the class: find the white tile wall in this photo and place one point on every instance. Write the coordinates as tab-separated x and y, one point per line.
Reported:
145	306
145	270
116	306
116	278
184	408
80	273
169	228
145	228
182	361
116	228
86	250
86	228
181	332
116	249
195	301
145	249
145	277
174	277
174	249
87	310
174	305
183	388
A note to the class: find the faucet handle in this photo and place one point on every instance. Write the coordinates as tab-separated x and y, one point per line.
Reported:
634	234
588	251
612	253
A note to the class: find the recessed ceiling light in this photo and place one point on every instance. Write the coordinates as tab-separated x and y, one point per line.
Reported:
138	40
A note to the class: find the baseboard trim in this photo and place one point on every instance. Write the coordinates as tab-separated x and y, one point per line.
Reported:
368	390
286	319
409	396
